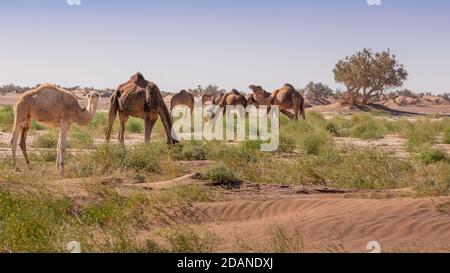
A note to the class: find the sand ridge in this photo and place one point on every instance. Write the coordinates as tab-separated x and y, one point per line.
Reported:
326	222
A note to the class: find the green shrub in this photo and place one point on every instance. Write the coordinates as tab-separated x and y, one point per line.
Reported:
429	155
248	151
192	150
287	144
46	141
433	180
423	132
135	126
80	140
316	141
99	121
143	158
339	126
34	223
446	139
6	118
366	127
37	126
220	174
188	240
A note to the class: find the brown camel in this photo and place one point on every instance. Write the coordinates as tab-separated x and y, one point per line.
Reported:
215	99
141	99
184	98
286	98
232	98
53	106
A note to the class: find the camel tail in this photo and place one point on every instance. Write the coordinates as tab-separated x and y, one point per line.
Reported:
302	107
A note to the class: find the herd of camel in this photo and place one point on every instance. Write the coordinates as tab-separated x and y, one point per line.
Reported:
138	98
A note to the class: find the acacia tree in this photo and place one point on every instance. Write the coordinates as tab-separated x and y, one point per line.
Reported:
317	91
367	75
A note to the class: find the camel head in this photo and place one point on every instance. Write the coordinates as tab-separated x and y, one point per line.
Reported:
93	99
257	90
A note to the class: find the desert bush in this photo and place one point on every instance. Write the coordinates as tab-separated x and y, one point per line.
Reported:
36	223
249	151
143	158
48	140
99	121
423	132
37	126
433	180
6	118
135	126
339	126
316	141
366	127
428	155
368	169
108	159
192	150
446	138
220	174
287	144
80	140
188	240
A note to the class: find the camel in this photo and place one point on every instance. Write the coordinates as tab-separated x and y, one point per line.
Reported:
232	98
141	99
286	98
215	99
53	106
183	98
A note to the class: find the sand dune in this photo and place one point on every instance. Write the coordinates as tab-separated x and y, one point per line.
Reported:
333	223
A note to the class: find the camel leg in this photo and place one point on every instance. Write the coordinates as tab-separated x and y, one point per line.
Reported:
123	121
288	114
296	109
62	145
150	120
111	119
23	144
14	140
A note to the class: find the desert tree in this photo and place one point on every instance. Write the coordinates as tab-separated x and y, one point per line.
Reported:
367	74
211	90
317	91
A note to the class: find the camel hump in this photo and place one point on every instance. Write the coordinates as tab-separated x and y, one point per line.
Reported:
236	92
289	85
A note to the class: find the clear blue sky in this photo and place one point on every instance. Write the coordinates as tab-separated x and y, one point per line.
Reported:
233	43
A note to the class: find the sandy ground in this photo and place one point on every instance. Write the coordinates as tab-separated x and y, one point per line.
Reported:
331	223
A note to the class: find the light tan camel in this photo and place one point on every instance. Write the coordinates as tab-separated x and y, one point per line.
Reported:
286	98
184	98
141	99
52	106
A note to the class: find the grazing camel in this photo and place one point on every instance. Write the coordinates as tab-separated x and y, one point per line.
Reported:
233	98
53	106
141	99
286	98
184	98
215	99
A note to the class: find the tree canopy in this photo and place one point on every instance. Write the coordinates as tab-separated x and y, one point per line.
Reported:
368	74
